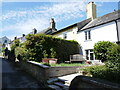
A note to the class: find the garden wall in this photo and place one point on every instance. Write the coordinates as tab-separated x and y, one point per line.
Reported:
65	70
42	72
37	70
85	82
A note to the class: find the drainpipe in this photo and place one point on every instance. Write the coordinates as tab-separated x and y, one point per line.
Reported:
117	32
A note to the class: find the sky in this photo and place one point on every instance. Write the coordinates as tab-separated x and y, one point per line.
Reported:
19	17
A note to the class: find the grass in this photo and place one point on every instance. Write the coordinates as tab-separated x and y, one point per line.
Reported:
65	64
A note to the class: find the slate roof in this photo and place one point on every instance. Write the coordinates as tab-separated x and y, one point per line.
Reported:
79	25
103	19
48	31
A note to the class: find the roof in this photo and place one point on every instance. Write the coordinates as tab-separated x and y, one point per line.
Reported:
79	24
48	31
103	19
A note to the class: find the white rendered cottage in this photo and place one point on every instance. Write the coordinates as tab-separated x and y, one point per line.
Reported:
92	30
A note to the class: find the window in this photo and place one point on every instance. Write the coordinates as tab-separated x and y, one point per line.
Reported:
87	35
5	41
90	54
64	36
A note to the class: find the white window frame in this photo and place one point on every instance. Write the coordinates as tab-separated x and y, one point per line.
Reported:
87	35
88	55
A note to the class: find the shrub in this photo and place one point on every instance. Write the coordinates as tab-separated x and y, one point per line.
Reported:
101	49
55	47
114	53
11	54
15	44
20	53
108	72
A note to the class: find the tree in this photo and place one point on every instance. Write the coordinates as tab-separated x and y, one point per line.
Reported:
15	44
101	49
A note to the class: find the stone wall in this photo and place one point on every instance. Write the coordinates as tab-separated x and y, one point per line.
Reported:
65	70
37	70
84	82
42	72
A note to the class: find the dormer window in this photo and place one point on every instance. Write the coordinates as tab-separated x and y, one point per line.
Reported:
87	35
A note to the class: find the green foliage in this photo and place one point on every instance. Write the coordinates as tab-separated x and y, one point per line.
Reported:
53	53
45	54
109	71
15	44
114	53
11	55
61	49
65	64
101	49
20	53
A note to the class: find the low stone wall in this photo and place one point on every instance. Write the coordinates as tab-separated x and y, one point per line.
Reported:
84	82
37	70
65	70
43	72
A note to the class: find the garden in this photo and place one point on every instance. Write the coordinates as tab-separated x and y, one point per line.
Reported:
52	51
44	48
109	53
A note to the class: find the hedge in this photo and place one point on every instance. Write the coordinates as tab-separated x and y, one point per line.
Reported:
35	44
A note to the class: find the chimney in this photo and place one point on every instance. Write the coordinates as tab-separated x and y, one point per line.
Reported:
15	38
34	31
52	23
91	10
23	35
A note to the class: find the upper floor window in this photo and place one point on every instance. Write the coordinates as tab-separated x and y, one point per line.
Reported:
87	35
5	41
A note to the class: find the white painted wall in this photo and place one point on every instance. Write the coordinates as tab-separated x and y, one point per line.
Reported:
106	32
71	34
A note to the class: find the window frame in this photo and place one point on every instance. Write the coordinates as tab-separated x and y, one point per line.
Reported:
88	35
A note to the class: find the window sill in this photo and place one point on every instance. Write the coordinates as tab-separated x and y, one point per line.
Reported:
87	40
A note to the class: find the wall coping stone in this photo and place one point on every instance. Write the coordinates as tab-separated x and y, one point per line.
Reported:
94	81
38	64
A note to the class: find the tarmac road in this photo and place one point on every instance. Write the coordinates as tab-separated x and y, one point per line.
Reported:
13	77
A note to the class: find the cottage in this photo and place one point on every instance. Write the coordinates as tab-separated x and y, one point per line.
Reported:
93	29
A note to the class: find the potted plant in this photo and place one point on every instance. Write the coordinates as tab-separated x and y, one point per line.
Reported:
53	60
45	59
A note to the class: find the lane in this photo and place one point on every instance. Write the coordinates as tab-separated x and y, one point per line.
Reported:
15	78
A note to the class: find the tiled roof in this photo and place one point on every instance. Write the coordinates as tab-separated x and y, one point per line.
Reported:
79	25
103	19
48	31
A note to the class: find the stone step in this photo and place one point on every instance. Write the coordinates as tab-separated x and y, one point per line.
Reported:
54	87
61	85
52	80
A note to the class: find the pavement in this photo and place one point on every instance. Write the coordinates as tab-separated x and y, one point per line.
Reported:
14	78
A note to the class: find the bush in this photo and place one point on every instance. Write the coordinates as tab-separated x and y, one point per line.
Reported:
38	44
107	72
101	49
11	54
15	44
114	53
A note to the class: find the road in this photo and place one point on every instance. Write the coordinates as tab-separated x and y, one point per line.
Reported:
13	77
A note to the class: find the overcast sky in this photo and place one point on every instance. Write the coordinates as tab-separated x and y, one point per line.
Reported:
20	17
